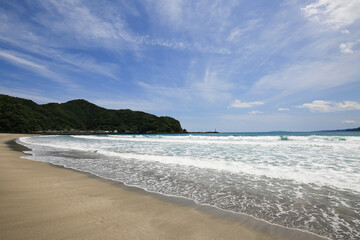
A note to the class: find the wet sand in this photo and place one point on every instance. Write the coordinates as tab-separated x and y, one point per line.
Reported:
40	201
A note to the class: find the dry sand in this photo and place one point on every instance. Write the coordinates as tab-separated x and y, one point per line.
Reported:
40	201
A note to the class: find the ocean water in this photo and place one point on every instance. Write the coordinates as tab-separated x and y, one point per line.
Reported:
307	181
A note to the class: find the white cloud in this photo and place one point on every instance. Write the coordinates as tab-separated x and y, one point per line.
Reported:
255	112
346	47
349	121
238	104
328	106
335	14
283	109
21	61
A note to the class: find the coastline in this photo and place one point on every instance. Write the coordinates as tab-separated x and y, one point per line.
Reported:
42	201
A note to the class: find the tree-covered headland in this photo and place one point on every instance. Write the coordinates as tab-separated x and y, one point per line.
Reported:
18	115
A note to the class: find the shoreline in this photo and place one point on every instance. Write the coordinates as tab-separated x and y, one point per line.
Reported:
163	217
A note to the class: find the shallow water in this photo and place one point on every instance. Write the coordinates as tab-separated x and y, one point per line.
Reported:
308	181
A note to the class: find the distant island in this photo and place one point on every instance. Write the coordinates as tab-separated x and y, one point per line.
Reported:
342	130
18	115
353	129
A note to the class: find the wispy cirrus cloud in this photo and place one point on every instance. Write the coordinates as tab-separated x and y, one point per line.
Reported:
30	65
168	92
102	23
21	61
203	26
238	31
206	86
329	106
212	87
48	44
310	76
81	21
329	60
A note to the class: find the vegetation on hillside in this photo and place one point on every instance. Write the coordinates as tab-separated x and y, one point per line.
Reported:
19	115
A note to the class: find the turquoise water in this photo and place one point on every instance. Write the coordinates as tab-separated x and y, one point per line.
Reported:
308	181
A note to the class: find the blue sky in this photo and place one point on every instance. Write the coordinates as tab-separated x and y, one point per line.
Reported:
230	65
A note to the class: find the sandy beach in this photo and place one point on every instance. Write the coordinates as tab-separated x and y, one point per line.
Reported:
41	201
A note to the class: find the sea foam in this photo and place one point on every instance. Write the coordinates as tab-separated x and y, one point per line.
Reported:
296	180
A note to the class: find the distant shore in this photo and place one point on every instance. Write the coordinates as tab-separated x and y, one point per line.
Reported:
40	201
100	132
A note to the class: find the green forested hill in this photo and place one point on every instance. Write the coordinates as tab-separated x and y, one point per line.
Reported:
19	115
